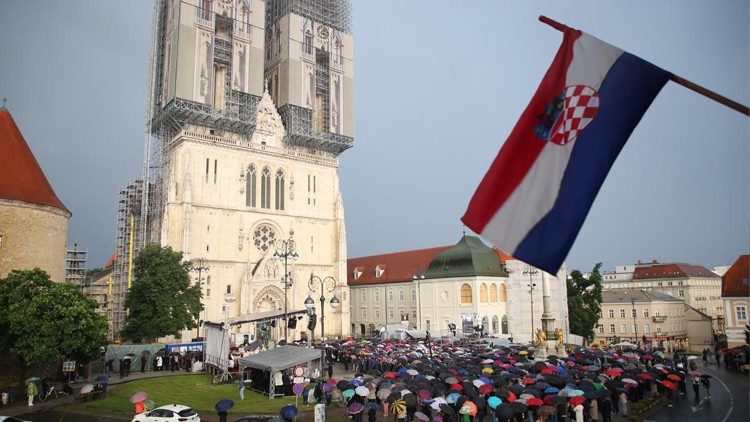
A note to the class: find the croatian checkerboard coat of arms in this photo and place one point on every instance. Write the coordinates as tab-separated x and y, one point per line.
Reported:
567	114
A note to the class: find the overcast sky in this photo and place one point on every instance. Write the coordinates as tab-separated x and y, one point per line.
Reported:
439	85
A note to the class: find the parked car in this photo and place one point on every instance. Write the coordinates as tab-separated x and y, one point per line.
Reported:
168	413
10	419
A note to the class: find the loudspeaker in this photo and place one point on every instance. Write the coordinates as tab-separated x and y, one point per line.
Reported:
273	323
264	326
312	322
292	323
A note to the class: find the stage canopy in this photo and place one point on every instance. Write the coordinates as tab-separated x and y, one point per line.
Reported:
280	358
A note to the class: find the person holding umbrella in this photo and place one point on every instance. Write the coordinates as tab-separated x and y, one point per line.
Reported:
31	390
222	408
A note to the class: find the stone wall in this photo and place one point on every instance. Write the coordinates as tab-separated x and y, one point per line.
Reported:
33	236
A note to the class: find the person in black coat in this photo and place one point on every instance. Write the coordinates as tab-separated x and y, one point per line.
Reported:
605	407
329	369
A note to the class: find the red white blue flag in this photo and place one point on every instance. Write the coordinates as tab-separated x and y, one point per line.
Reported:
533	200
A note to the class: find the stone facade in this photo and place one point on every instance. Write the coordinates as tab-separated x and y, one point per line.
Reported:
33	236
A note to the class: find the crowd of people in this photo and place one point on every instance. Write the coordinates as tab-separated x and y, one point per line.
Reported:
472	381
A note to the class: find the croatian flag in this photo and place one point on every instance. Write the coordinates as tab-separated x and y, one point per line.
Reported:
533	200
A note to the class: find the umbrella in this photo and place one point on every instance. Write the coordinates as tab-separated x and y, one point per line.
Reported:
451	398
629	381
410	400
398	406
348	393
327	388
674	377
421	416
669	385
494	401
149	405
33	379
576	393
575	401
383	394
89	388
355	408
289	411
102	379
519	407
362	391
534	401
138	397
504	411
223	405
451	380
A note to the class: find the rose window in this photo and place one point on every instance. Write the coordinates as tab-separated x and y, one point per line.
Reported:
264	237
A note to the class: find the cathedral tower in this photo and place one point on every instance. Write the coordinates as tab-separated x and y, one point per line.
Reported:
239	161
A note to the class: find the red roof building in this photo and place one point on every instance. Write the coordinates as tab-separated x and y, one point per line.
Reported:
735	293
21	177
671	270
734	283
396	267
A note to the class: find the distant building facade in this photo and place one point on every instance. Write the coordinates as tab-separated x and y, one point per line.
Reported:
99	288
33	221
467	285
735	292
75	266
695	284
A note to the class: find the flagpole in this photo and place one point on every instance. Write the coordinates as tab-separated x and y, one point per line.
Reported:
676	79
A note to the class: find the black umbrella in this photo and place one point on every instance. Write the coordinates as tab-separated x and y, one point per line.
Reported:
394	396
411	401
447	410
223	405
504	411
518	407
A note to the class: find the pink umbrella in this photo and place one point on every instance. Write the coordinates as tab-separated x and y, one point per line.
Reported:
138	397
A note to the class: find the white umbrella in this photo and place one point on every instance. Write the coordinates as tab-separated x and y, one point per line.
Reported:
87	388
478	383
362	391
629	381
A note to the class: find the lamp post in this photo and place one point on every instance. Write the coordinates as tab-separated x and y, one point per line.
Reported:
531	271
199	265
327	285
635	325
286	249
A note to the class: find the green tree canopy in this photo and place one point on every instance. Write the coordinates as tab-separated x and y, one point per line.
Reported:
42	322
162	301
584	302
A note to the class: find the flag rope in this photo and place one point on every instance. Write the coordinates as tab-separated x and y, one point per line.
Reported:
676	79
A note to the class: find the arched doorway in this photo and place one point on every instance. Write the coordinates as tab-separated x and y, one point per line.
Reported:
495	324
269	299
504	324
485	326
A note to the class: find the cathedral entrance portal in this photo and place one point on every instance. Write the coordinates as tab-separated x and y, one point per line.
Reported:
268	300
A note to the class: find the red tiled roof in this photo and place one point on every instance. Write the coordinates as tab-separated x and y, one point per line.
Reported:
399	266
672	270
111	262
504	257
734	283
21	178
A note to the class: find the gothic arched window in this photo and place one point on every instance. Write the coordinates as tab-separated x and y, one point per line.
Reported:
279	199
466	294
503	296
495	327
265	188
504	324
493	293
483	293
250	196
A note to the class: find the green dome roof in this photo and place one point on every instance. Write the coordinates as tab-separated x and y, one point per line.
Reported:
470	257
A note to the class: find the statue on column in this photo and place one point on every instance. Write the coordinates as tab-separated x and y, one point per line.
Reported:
559	335
541	337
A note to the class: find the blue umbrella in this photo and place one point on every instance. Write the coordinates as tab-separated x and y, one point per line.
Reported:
223	405
102	379
452	397
551	390
494	401
289	411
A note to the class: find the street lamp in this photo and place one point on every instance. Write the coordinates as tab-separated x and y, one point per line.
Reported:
199	265
635	324
327	285
286	249
531	271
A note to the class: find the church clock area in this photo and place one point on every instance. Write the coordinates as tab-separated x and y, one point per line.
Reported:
251	105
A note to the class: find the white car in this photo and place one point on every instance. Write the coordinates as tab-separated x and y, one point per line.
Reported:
168	413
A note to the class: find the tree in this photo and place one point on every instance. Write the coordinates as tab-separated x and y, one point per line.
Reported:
584	302
42	322
161	300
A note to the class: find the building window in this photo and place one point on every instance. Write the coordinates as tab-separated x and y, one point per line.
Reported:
611	328
645	313
413	295
611	313
741	313
216	165
622	313
279	200
623	328
377	313
363	313
208	292
414	313
390	313
483	293
600	327
495	325
493	292
250	186
504	324
265	188
646	328
390	296
681	293
377	296
229	289
207	162
466	294
363	296
502	294
401	295
635	313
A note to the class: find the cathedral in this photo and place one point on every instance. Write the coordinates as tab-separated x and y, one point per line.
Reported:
251	105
